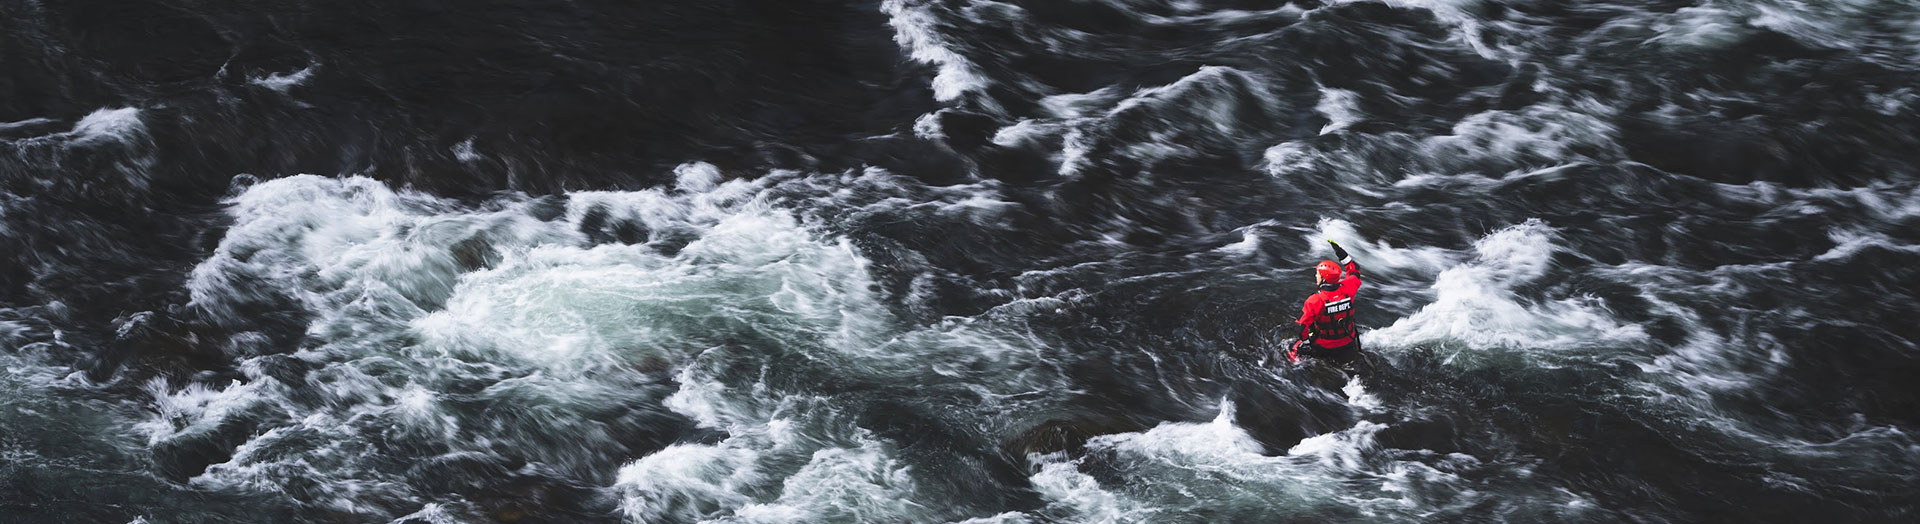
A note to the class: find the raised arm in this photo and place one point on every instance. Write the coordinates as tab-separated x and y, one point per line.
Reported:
1346	260
1350	282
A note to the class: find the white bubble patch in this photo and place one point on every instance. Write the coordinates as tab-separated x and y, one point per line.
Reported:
1475	307
1217	468
492	333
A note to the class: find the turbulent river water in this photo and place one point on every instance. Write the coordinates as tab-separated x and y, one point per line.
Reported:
1016	261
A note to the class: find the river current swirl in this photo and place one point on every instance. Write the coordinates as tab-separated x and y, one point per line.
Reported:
983	261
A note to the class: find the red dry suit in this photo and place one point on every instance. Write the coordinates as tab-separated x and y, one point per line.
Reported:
1327	317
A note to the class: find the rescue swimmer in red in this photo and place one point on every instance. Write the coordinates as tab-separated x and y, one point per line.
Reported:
1326	320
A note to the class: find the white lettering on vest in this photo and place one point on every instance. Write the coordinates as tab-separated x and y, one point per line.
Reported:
1339	305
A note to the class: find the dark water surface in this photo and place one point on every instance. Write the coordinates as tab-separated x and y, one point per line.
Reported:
983	261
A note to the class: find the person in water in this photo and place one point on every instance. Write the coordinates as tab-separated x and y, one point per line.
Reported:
1326	320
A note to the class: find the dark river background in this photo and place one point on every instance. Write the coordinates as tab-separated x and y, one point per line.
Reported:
1017	261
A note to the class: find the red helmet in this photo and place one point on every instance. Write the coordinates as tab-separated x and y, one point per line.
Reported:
1328	271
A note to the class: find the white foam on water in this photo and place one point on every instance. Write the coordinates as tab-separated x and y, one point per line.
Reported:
1218	468
1475	308
1359	397
1212	95
697	177
415	299
1219	439
11	333
109	124
567	307
7	126
1375	256
551	324
916	29
1531	137
1198	93
1849	241
1287	157
1069	106
768	473
848	474
1070	491
1893	102
1341	107
1882	201
108	137
857	484
1833	24
1698	27
1340	450
927	127
1458	13
687	482
1075	146
282	82
1011	517
195	408
431	513
464	152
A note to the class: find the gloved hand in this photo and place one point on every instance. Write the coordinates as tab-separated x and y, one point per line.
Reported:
1339	254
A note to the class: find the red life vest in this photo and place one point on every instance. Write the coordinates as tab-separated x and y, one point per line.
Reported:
1328	314
1333	327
